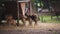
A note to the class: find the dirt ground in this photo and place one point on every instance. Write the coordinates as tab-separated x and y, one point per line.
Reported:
40	28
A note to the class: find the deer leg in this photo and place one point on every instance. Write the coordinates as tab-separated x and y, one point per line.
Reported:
30	21
35	21
23	20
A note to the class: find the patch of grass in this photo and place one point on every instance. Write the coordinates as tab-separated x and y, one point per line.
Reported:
49	20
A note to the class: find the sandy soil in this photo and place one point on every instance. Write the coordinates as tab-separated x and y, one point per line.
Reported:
40	28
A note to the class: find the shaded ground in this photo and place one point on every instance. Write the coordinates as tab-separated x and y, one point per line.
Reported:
40	28
27	32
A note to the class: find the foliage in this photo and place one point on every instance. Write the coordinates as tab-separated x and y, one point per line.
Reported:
49	20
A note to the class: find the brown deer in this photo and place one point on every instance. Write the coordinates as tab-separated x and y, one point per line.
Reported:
31	18
10	20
